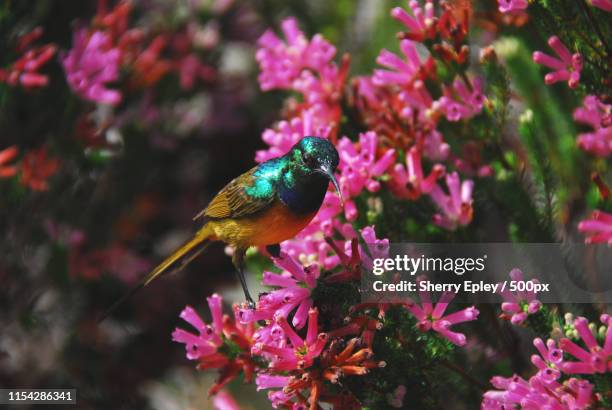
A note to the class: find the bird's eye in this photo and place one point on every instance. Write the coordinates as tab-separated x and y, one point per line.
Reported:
309	160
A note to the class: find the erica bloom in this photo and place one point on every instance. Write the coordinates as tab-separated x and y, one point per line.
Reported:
593	359
456	206
598	228
602	4
92	63
300	353
518	393
566	66
214	343
36	168
410	181
359	168
401	72
598	116
522	304
508	6
431	317
294	286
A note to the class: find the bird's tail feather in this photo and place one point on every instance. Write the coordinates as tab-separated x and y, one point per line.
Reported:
173	263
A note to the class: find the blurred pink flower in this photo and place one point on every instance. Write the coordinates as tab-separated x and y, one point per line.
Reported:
431	317
25	70
598	228
598	116
566	67
456	206
602	4
225	401
6	156
509	6
92	63
522	304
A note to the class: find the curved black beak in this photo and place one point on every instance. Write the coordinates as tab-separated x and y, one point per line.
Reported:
330	174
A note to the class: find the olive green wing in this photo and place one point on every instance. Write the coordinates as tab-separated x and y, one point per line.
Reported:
243	196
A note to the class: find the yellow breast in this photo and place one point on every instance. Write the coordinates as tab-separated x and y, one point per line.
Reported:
272	226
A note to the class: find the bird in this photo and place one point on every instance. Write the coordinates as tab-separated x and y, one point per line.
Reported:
268	204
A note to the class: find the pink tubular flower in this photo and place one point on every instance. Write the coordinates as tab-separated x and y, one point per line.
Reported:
522	304
515	392
459	102
401	72
431	316
293	294
593	359
456	206
421	24
598	228
597	115
410	182
549	360
605	5
566	67
209	348
360	169
298	353
278	398
509	6
92	63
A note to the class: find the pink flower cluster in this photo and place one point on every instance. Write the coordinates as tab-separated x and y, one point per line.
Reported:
294	286
305	66
544	389
209	346
598	116
361	169
289	353
566	66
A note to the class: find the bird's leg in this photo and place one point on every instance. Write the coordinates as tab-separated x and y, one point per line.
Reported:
274	250
238	260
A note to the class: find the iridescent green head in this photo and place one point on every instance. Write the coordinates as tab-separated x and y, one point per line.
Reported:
316	155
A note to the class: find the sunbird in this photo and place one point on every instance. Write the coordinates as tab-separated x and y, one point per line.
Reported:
265	206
